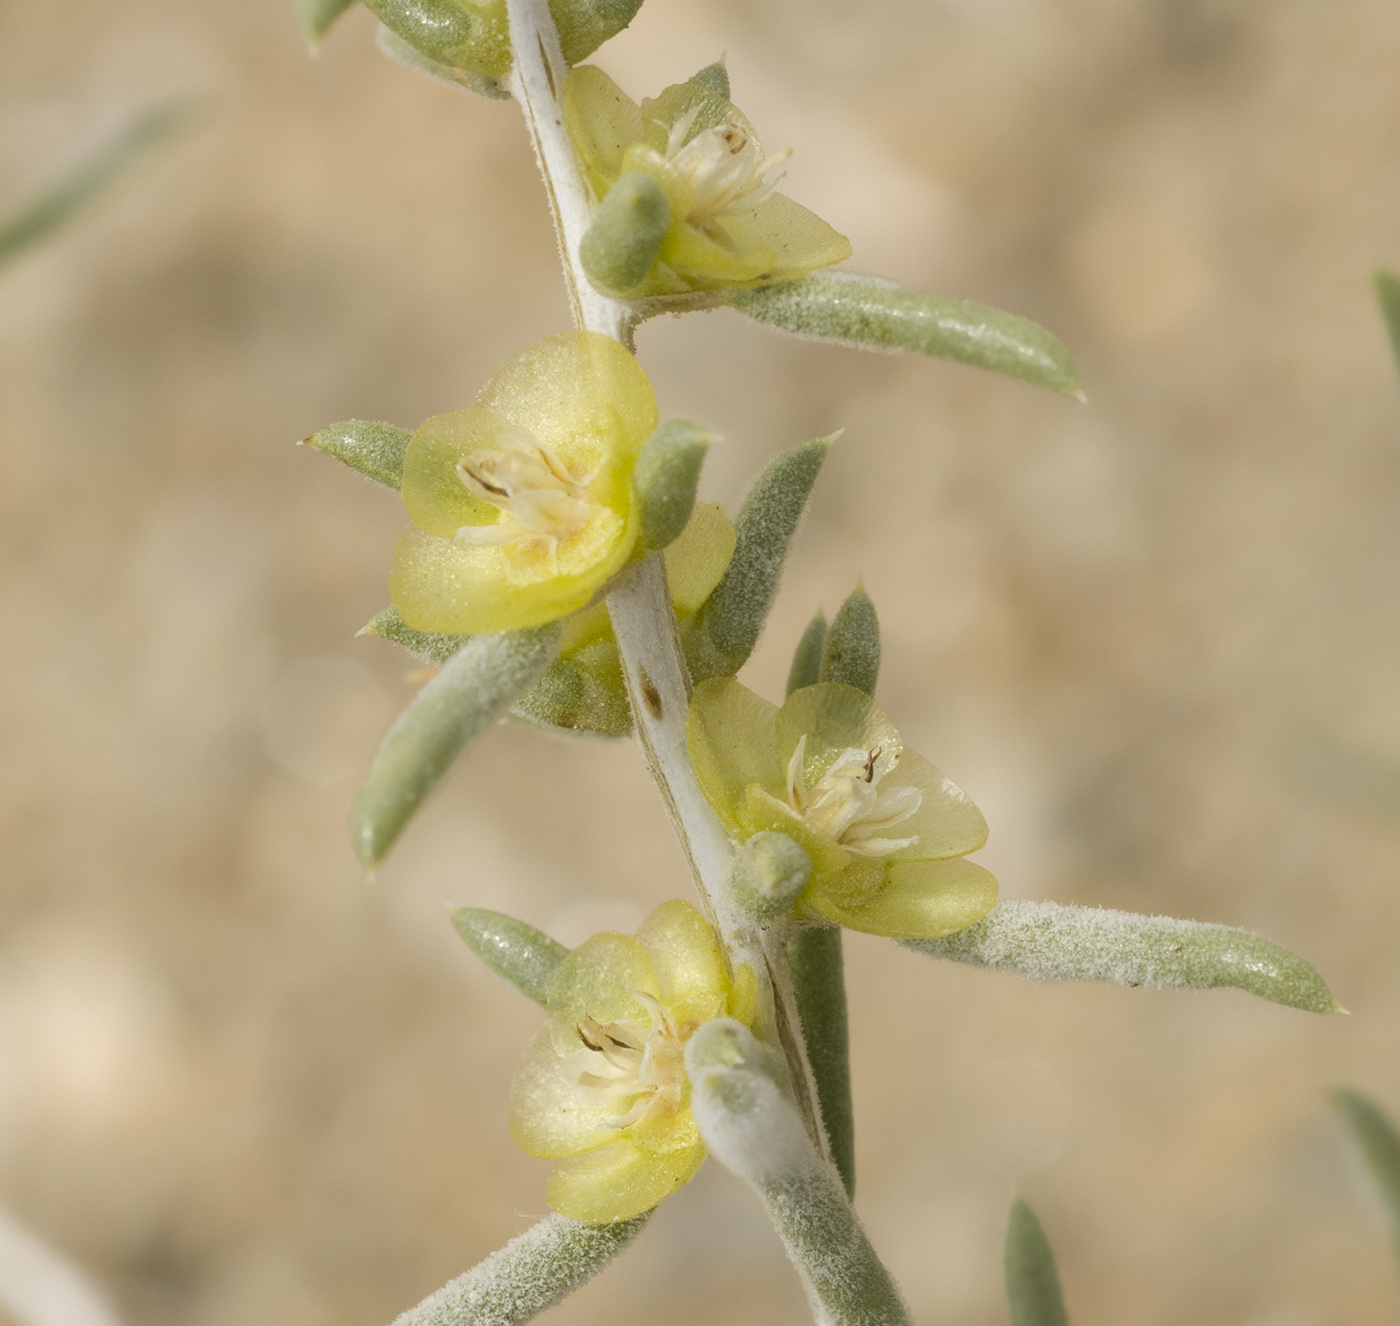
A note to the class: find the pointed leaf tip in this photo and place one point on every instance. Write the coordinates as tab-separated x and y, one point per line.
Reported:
867	313
375	449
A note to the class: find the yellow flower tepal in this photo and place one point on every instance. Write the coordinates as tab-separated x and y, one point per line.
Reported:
887	832
603	1090
523	505
728	227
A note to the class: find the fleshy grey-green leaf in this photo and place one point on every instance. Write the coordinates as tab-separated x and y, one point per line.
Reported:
624	237
807	658
519	953
1048	941
1387	286
726	629
439	29
715	77
41	216
584	25
1380	1147
819	981
749	1121
406	54
870	314
534	1271
423	645
318	16
666	476
475	688
1032	1282
569	700
376	450
851	653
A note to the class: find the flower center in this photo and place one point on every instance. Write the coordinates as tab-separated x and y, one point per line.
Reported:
543	502
725	167
620	1059
848	804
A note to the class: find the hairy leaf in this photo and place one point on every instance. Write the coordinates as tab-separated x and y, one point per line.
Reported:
1048	941
870	314
475	688
807	657
819	980
524	956
727	628
667	474
851	653
423	645
534	1271
376	450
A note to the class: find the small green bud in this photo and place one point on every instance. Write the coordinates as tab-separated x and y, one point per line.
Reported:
475	688
317	16
851	653
668	470
715	77
806	661
376	450
1032	1282
726	629
1387	286
867	313
518	952
770	872
621	244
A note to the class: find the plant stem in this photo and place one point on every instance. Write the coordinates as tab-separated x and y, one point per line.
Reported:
643	620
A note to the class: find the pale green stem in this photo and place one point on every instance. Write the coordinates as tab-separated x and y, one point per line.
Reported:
644	623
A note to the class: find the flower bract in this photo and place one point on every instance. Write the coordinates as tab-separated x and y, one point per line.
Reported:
729	227
887	832
603	1089
523	505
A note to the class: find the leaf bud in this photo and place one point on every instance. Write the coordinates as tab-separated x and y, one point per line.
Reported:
770	872
620	245
851	652
667	473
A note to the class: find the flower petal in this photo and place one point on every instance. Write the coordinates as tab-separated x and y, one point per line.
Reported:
619	1181
602	121
833	717
733	740
799	240
698	558
597	979
550	1116
692	977
947	823
581	394
920	899
436	498
454	588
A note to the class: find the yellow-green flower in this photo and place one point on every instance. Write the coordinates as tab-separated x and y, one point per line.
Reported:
695	564
603	1090
728	227
887	832
523	505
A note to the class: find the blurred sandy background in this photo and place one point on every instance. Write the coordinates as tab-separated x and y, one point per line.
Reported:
1155	637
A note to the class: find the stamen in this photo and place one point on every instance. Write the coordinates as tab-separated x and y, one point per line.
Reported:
847	803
